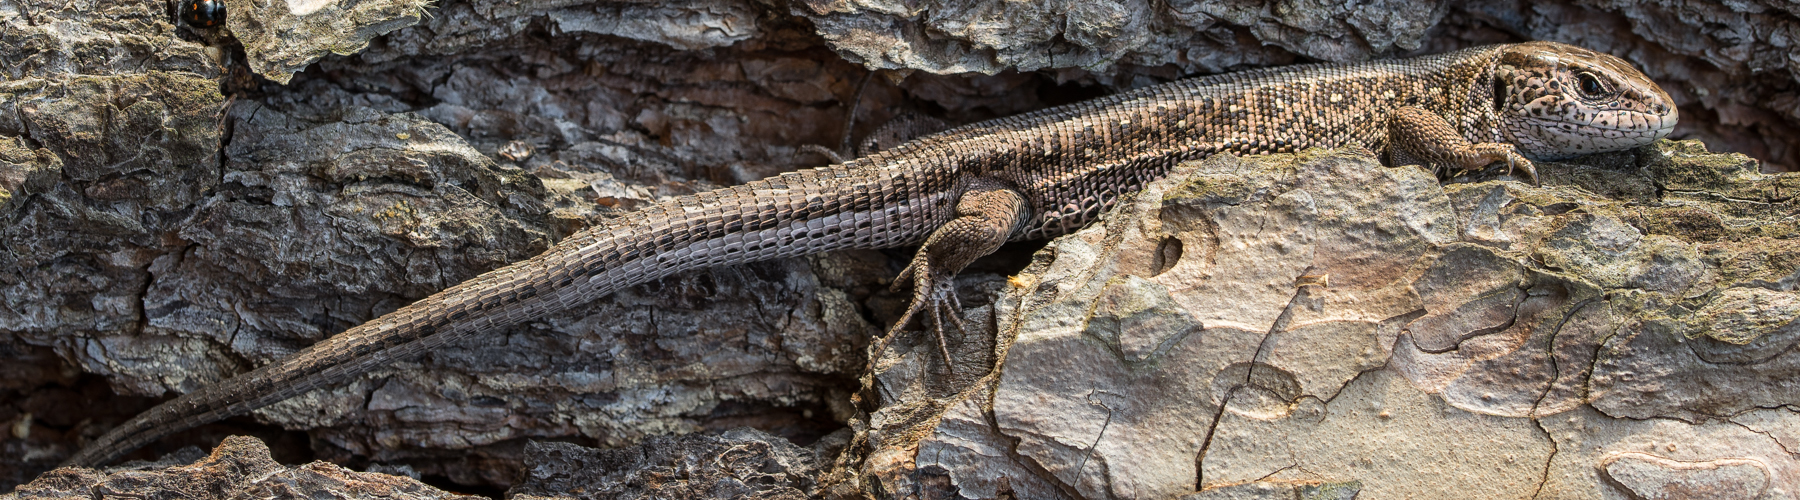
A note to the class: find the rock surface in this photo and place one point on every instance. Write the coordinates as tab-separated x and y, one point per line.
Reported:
171	220
282	38
239	468
1319	319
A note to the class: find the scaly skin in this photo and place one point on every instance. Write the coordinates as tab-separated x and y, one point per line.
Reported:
966	191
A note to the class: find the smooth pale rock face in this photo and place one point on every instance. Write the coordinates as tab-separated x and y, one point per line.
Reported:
1254	327
1655	478
978	459
1278	490
1604	457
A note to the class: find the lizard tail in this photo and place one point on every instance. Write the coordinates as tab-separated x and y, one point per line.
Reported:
792	214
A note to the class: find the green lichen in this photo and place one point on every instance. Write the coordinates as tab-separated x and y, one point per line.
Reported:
1687	169
1208	189
1222	179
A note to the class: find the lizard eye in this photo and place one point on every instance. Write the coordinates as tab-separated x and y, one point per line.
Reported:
1590	85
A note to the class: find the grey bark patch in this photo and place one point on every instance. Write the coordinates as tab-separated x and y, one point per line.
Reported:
1471	290
739	463
239	467
282	38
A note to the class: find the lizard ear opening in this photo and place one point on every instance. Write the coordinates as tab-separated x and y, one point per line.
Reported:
1499	93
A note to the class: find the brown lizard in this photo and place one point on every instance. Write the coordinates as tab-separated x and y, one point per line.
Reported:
965	191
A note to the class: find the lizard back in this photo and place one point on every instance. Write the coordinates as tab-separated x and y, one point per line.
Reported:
1074	162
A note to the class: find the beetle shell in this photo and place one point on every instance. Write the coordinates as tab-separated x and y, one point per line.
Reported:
203	13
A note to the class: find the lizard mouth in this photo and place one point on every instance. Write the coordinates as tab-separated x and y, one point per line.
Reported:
1549	138
1633	122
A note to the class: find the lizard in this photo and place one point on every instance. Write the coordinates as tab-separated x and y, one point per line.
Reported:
961	193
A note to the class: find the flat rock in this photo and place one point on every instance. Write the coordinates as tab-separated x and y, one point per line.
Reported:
1320	319
1649	477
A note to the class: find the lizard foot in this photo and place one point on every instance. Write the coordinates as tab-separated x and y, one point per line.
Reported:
987	212
1419	137
1489	154
934	293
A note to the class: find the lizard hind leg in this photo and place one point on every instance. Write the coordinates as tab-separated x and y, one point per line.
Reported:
987	214
1420	137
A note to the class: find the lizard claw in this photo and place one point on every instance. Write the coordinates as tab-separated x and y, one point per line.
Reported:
1485	155
935	295
946	306
908	274
1531	174
1516	162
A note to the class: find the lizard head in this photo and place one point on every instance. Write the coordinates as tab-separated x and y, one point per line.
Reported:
1557	101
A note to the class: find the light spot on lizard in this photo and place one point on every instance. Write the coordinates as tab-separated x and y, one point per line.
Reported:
1337	97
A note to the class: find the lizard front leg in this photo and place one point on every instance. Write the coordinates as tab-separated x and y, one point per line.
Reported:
987	213
1420	137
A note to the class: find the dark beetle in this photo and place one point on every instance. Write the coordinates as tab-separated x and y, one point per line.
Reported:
203	13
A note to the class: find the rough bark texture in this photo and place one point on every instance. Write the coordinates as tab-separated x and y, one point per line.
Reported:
240	468
739	463
168	220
